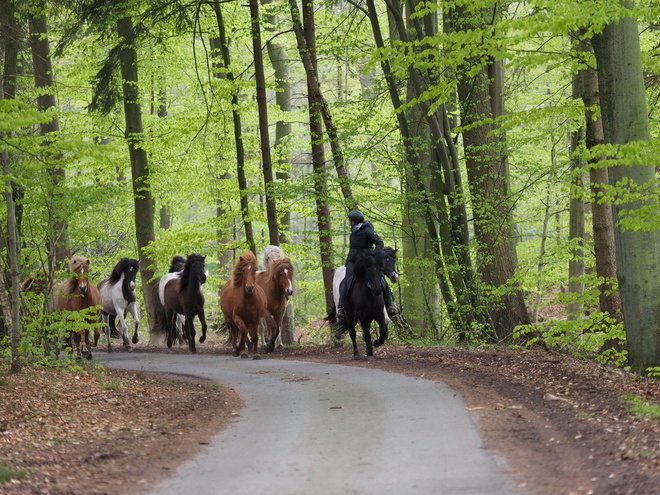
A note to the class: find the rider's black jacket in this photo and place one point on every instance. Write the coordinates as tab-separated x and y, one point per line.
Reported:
362	238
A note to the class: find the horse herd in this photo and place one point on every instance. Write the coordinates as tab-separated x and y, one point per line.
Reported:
249	299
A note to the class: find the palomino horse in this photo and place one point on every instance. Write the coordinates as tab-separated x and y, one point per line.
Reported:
184	296
365	303
78	294
158	299
119	298
243	304
277	284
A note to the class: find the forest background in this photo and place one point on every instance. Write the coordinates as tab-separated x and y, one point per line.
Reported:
507	150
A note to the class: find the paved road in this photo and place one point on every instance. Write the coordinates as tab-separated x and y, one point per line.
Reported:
310	428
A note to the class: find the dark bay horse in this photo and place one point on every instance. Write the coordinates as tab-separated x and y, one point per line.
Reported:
78	294
277	284
183	295
158	298
119	299
243	304
365	303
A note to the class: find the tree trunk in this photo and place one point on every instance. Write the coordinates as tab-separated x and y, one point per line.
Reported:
144	206
625	120
10	31
238	130
308	41
262	105
279	60
601	211
485	157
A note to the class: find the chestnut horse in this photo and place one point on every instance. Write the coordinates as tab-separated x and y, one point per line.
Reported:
243	304
277	284
119	298
183	295
78	294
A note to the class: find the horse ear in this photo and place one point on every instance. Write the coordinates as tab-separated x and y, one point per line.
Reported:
203	258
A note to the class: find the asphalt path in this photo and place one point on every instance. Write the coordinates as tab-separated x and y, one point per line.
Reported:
311	428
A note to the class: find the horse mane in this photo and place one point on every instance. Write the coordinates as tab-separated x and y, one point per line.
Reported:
244	259
69	286
75	261
363	261
389	250
176	262
271	253
185	276
279	265
119	268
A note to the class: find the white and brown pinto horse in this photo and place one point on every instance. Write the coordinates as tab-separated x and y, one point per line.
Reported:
119	299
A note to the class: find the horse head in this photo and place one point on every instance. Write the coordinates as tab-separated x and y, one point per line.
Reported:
193	271
245	271
282	271
177	264
79	266
388	260
270	254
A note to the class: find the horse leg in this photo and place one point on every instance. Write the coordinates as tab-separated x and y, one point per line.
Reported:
123	327
136	322
242	332
273	333
351	332
366	332
106	320
383	333
190	332
85	335
77	343
254	336
170	326
202	320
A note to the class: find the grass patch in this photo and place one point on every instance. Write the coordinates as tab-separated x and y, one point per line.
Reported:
7	474
642	409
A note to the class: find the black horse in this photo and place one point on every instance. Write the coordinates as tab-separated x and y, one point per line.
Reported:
184	296
365	303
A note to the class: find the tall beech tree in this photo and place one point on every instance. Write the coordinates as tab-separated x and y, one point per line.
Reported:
625	123
144	205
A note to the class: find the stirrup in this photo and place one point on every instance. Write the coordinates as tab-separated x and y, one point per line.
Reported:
392	311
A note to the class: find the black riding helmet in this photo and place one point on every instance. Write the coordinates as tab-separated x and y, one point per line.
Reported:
356	216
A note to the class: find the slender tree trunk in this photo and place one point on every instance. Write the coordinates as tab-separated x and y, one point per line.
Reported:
238	130
264	135
601	211
44	80
308	41
479	90
576	216
625	120
308	57
10	32
144	205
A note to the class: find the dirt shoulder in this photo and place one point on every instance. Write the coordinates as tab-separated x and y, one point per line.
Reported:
560	425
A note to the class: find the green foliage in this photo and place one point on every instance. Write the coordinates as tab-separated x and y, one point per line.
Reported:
640	408
7	474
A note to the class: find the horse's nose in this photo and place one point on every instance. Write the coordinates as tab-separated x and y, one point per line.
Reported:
83	289
131	286
394	277
289	292
249	289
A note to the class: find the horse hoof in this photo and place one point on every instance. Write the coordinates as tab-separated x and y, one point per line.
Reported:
357	357
88	356
235	353
169	343
202	339
136	339
244	356
378	342
257	357
270	349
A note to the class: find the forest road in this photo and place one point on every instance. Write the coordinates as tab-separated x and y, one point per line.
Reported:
310	428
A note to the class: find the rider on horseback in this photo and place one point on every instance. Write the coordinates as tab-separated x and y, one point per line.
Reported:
362	237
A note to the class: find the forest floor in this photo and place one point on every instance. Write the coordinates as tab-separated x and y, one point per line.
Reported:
562	425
